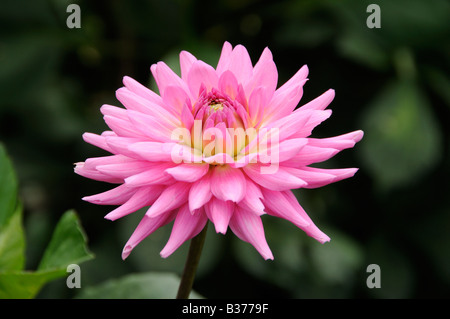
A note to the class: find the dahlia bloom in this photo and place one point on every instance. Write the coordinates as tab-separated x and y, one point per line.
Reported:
220	144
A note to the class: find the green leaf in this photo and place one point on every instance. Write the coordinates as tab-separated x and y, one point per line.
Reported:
24	285
12	240
67	246
12	243
153	285
8	187
401	136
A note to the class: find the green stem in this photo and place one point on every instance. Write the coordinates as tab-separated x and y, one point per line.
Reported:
190	268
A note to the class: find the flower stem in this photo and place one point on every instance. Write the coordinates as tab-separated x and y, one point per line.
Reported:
190	268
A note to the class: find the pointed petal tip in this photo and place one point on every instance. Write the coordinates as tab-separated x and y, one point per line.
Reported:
359	134
86	198
110	217
126	251
323	238
165	253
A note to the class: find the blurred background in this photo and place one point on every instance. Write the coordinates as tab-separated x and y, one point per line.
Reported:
392	82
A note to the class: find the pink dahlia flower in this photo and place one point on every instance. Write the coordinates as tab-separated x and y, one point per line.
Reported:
220	144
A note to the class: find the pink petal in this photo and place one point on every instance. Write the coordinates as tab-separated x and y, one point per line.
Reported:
318	177
279	153
202	74
143	197
145	228
97	140
240	64
165	77
114	111
228	84
252	199
80	169
224	59
219	212
278	205
228	183
134	102
312	229
265	75
286	98
257	104
290	125
122	127
338	142
200	193
115	196
186	116
154	175
185	227
186	61
315	119
249	228
120	145
93	162
151	126
188	172
175	98
153	151
309	155
123	171
279	181
141	90
321	102
171	198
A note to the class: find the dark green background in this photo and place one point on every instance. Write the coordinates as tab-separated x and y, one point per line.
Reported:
392	82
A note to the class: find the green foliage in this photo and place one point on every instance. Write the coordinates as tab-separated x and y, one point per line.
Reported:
402	140
156	285
67	246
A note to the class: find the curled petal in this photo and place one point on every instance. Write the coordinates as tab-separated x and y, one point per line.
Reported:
280	179
252	199
144	196
249	227
92	173
98	140
318	177
171	198
115	196
338	142
184	228
277	204
145	228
